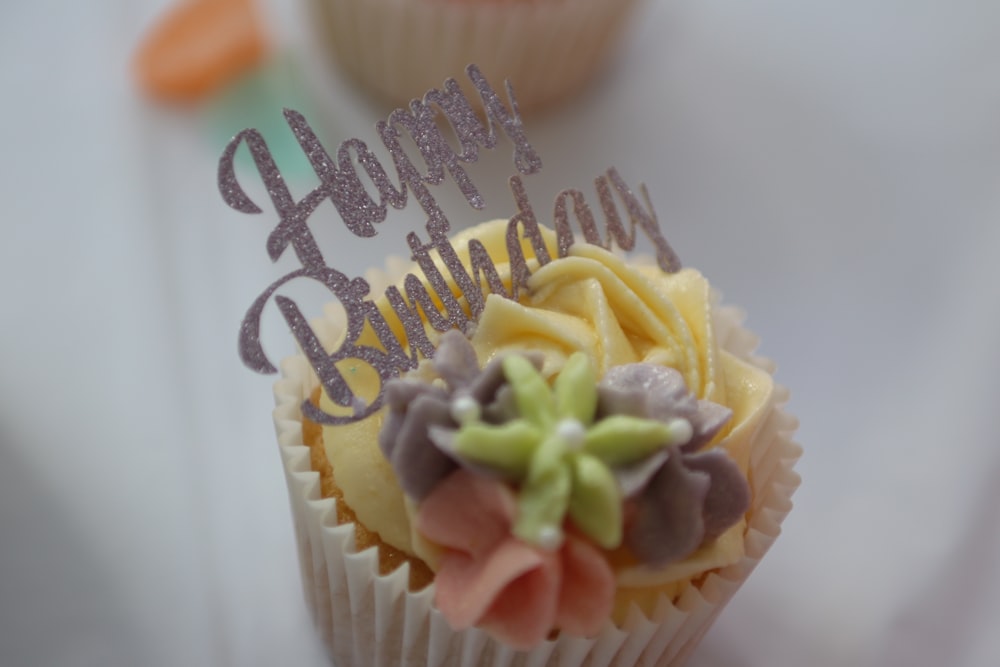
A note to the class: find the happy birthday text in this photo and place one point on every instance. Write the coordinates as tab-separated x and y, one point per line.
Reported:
341	183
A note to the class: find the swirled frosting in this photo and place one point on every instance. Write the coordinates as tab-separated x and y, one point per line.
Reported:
617	314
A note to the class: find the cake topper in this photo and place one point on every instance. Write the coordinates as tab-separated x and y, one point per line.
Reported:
341	183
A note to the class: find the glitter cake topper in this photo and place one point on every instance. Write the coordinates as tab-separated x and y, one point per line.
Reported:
340	182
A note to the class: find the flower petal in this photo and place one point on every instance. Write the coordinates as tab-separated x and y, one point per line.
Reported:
531	392
645	390
706	422
587	593
728	494
455	360
444	439
524	613
418	464
621	439
467	513
498	590
633	478
667	525
508	446
399	393
485	386
595	504
544	496
575	389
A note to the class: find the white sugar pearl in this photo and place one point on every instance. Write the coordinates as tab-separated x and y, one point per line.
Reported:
572	432
681	431
550	538
464	409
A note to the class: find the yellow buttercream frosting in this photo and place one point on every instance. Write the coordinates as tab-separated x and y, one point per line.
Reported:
590	301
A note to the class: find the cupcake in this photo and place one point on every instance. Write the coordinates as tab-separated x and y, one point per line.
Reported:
397	49
582	471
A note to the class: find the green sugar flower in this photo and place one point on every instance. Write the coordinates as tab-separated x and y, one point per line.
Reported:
559	455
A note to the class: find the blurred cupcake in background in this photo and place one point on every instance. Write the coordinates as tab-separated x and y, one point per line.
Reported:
395	49
398	49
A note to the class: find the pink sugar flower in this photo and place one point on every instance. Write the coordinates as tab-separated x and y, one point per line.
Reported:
488	578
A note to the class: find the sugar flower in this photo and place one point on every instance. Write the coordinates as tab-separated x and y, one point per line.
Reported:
558	453
489	578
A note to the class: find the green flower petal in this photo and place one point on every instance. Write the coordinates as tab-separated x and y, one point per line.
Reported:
576	389
595	505
531	393
544	496
620	439
508	447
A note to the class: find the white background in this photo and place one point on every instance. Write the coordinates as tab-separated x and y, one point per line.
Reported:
831	166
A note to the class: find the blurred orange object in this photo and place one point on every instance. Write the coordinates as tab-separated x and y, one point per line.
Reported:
199	46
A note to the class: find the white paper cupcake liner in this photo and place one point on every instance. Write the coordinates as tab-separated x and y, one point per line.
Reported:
401	48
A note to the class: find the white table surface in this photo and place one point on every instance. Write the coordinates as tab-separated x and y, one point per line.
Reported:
834	167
